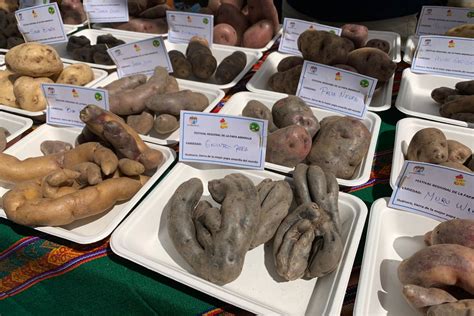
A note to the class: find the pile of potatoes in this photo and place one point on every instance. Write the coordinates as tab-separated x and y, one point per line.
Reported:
28	66
152	104
351	51
430	145
199	64
457	103
337	144
302	220
80	48
439	279
10	36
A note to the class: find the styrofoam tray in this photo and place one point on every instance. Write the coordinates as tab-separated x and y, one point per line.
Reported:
238	101
410	48
105	27
407	128
14	124
381	101
92	35
214	95
392	236
414	97
2	60
91	229
143	238
393	39
99	75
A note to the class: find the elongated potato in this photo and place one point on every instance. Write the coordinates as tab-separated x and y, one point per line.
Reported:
182	68
173	103
455	231
230	67
372	62
203	63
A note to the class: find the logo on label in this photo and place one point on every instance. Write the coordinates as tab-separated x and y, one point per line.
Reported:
118	52
20	16
189	19
223	123
418	170
470	14
137	48
338	76
459	180
172	17
51	90
156	43
193	120
451	44
254	127
313	69
427	42
98	96
35	15
428	12
364	83
291	25
75	94
449	13
51	10
205	21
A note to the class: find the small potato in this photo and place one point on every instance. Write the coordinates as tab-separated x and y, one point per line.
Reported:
381	44
428	145
225	34
28	93
259	110
141	123
356	33
289	62
7	97
130	167
372	62
182	68
258	35
440	94
229	14
293	110
230	67
465	87
76	74
458	152
287	81
465	30
263	10
165	124
49	147
288	146
34	60
173	103
76	42
324	47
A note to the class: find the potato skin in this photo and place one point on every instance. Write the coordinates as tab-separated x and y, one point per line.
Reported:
155	26
358	34
458	106
76	74
165	124
225	34
7	97
324	47
458	308
372	62
203	63
229	14
259	110
28	93
428	145
289	62
34	60
465	87
440	94
287	81
258	35
293	110
263	10
381	44
173	103
182	68
455	231
458	152
141	123
288	146
230	67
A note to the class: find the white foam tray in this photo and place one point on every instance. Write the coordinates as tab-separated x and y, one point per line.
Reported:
214	96
92	35
414	97
104	27
2	60
14	124
91	229
99	75
238	101
410	48
143	238
407	128
392	236
381	101
393	39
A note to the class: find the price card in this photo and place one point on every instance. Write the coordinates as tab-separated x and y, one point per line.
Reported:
32	3
444	55
435	191
184	25
104	11
335	89
292	28
222	139
140	57
66	101
436	20
41	23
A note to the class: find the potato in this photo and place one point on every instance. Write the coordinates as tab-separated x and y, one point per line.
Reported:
28	93
72	11
455	231
258	35
158	11
141	123
130	167
129	82
34	60
358	34
109	40
173	103
165	124
49	147
76	42
293	110
263	10
76	74
324	47
372	62
287	81
230	67
288	146
7	97
3	139
381	44
289	62
455	165
346	67
465	87
225	34
200	56
155	26
229	14
259	110
9	5
100	55
340	146
465	30
440	94
461	307
135	7
182	68
458	152
428	145
457	106
84	54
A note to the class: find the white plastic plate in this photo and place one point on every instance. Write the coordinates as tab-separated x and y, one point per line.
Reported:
92	35
14	124
238	101
410	48
91	229
105	27
381	101
2	59
407	128
214	96
414	97
143	238
392	236
99	75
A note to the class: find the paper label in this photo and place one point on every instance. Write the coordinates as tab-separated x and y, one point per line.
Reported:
444	55
184	25
435	191
41	23
32	3
105	11
223	139
335	89
140	57
66	101
292	28
437	20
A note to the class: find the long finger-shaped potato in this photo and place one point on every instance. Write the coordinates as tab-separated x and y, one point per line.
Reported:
459	105
203	232
459	308
455	231
300	182
125	83
419	297
173	103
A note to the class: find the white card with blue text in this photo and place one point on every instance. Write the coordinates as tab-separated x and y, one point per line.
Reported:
436	20
66	101
32	3
222	139
140	57
435	191
444	55
42	23
106	11
335	89
292	28
184	25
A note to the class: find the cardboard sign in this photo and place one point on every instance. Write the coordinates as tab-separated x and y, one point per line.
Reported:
436	20
105	11
184	25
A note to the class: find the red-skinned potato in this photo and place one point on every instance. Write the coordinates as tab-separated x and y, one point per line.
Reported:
229	14
155	26
263	10
356	33
288	146
258	35
225	34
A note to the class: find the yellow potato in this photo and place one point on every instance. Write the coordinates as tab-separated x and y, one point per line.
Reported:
28	93
76	74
